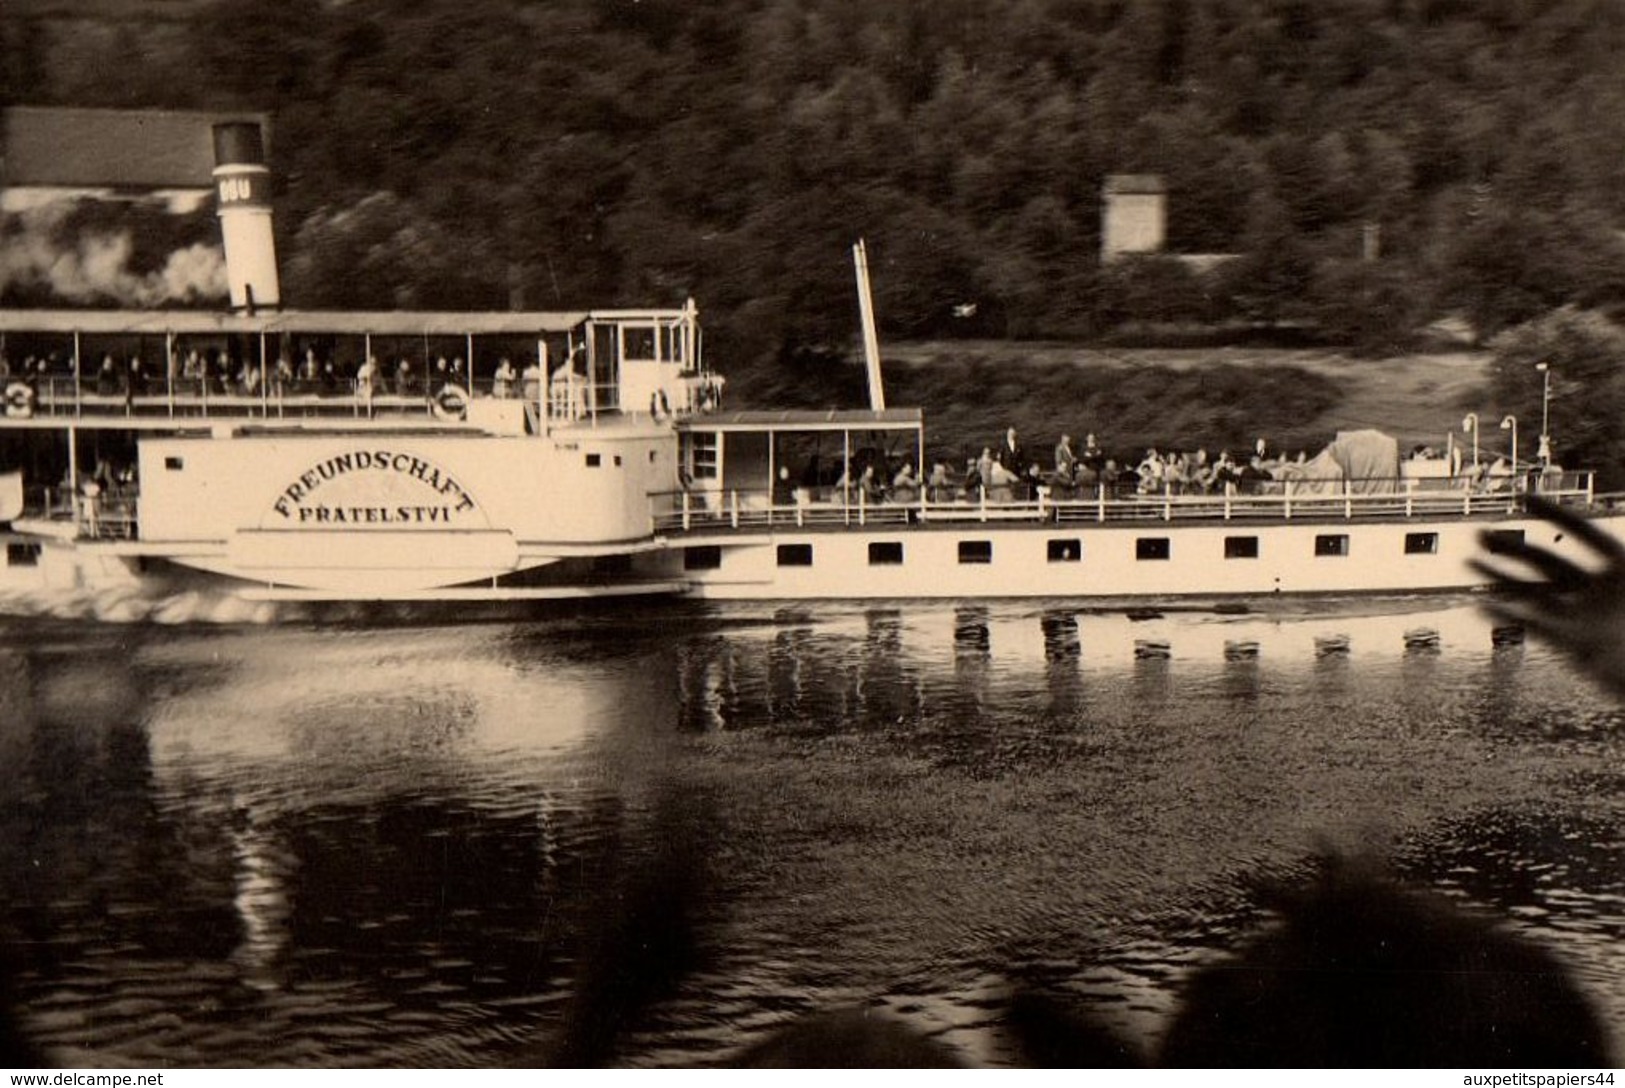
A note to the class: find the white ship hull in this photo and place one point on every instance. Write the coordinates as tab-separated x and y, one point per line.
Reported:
1111	562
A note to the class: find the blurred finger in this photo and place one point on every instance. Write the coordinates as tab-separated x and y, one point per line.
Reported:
1553	567
1600	540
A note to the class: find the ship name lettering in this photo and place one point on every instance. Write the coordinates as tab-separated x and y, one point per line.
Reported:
373	515
291	504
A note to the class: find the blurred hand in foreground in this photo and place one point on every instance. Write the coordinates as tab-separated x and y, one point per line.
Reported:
1578	609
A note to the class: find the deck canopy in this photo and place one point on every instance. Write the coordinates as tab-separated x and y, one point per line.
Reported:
336	322
857	419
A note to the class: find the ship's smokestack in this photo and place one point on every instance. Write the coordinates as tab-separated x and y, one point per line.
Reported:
242	183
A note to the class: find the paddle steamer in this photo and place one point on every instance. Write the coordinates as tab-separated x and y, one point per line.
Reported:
278	454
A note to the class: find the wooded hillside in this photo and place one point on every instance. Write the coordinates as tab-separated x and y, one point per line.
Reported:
469	153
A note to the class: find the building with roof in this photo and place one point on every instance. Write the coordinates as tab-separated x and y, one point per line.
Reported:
47	153
1134	215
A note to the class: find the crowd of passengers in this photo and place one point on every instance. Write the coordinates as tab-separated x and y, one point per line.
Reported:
1009	473
216	373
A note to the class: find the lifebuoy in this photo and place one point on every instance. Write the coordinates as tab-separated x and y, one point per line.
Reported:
19	400
450	403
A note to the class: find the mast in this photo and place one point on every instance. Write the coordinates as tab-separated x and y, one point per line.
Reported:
871	341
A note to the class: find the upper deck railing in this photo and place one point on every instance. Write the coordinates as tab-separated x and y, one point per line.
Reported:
104	366
68	400
753	510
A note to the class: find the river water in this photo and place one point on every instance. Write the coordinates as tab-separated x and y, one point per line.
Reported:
405	844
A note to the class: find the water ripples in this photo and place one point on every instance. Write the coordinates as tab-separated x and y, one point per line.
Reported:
396	845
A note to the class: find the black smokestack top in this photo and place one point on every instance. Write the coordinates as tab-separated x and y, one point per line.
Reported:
238	143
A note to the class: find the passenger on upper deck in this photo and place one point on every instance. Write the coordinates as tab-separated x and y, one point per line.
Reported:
1065	459
502	381
1011	454
1092	456
905	486
310	371
531	381
107	378
567	390
282	375
366	380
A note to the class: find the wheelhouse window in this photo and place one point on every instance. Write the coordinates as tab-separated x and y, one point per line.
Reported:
976	551
1327	544
795	555
702	557
1152	547
594	460
1421	543
1504	537
702	455
886	553
1065	551
1241	547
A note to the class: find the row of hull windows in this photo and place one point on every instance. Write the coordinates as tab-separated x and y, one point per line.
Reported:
889	553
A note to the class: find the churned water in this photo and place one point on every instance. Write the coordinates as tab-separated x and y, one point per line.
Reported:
396	845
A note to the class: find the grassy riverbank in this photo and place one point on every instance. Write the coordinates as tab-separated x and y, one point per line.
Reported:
1184	398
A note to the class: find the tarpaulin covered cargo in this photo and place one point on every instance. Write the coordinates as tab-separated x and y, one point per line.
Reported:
1369	460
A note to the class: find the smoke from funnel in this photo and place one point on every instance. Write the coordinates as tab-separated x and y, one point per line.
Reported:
94	265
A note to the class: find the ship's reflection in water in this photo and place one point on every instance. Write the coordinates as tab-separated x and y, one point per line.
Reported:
396	845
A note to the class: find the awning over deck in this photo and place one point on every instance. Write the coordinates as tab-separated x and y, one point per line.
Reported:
803	422
337	322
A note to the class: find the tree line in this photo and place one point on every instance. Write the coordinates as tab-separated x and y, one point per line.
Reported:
482	153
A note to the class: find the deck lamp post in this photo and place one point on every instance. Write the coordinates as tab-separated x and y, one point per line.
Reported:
1545	452
1511	423
1469	424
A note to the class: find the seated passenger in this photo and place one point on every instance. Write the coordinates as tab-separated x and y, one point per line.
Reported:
1001	483
282	376
871	486
366	379
1151	472
905	487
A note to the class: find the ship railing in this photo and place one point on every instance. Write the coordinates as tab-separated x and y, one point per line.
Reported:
94	514
196	398
713	509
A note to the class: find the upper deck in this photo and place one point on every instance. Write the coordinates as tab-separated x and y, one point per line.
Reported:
521	372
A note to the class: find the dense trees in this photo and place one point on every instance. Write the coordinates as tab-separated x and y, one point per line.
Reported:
590	152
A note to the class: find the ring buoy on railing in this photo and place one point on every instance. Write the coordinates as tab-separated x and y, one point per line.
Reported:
19	400
450	403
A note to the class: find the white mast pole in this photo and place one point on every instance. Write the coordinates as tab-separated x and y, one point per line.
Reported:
871	340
